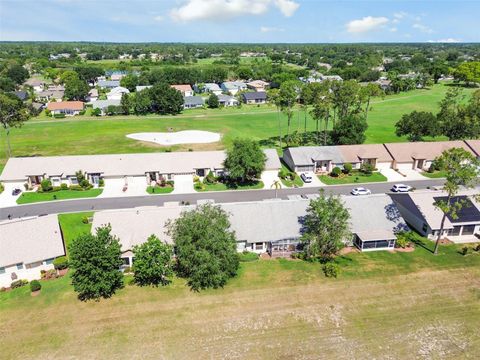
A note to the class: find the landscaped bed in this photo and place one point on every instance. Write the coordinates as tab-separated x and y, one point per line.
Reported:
435	174
289	178
355	177
157	189
33	197
220	186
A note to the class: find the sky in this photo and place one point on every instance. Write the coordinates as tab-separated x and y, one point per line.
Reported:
240	21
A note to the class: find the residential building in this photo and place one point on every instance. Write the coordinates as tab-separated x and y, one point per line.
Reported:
108	84
142	87
227	100
28	246
117	93
185	89
233	87
212	88
22	95
384	84
374	154
69	108
50	95
258	85
192	102
474	145
104	104
92	95
419	211
259	97
37	84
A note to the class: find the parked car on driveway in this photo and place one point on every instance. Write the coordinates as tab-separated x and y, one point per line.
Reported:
401	188
360	191
307	178
16	191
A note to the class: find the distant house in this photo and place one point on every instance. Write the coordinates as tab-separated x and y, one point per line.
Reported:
117	77
212	88
92	95
50	95
108	84
185	89
259	97
38	106
28	246
233	87
227	100
69	108
142	87
331	78
258	85
117	93
104	104
53	87
37	84
384	84
192	102
22	95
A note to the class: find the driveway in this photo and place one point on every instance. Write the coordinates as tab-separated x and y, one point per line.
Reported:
315	181
6	198
183	184
136	186
269	177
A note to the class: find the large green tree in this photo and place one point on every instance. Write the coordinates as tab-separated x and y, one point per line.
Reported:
245	160
367	92
164	99
326	226
95	260
13	113
350	130
205	247
287	98
417	125
153	262
461	170
212	101
76	89
468	72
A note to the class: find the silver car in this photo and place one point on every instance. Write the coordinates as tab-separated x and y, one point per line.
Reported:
360	191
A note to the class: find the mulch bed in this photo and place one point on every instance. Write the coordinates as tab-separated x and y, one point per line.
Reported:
35	293
405	250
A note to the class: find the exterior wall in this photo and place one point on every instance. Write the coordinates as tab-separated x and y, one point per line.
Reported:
24	274
67	112
365	246
419	224
384	165
404	166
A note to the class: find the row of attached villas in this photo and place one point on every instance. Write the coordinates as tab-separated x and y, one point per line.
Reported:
150	166
398	156
30	245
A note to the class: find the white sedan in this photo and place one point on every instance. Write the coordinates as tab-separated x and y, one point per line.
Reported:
401	188
361	191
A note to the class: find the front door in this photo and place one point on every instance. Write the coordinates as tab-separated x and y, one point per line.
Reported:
420	164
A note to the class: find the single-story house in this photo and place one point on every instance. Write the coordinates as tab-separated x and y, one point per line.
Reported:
142	87
474	145
50	95
104	104
185	89
92	95
257	97
384	84
317	159
53	87
117	93
150	166
192	102
233	87
331	78
22	95
373	154
419	155
419	211
28	246
227	100
108	84
38	106
212	88
258	85
118	77
37	84
262	226
69	108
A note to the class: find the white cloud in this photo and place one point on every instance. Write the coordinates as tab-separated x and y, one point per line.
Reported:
447	40
266	29
218	10
158	18
366	24
393	29
400	15
423	28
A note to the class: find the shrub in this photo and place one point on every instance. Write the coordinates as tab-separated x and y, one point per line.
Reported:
49	274
35	285
336	171
331	269
46	185
367	168
82	112
477	248
1	188
64	187
101	183
85	220
76	187
247	256
464	250
61	262
59	116
210	178
18	283
283	173
127	270
347	168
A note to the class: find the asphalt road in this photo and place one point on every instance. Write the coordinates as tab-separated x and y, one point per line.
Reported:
95	204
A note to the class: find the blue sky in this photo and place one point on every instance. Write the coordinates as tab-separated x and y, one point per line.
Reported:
240	20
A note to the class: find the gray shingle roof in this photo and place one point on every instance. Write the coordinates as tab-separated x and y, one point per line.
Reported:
306	155
193	100
257	95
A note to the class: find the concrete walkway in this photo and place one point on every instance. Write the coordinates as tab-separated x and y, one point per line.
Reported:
6	197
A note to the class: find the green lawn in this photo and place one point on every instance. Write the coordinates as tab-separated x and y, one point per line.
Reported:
33	197
72	225
435	174
354	177
159	189
223	187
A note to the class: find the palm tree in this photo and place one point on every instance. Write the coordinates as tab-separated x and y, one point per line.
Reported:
277	185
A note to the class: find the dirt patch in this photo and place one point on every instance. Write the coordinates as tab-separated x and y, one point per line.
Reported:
348	249
405	250
35	293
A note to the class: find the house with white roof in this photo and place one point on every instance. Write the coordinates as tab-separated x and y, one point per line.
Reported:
28	246
104	104
233	87
212	88
258	85
227	100
117	93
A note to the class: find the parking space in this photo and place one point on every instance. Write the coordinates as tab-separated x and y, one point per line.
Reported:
315	180
183	184
128	186
6	197
269	177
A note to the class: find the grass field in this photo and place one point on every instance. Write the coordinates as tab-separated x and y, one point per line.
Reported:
383	305
435	174
92	135
33	197
352	178
159	189
72	225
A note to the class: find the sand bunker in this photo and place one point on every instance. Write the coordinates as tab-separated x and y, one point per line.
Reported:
180	137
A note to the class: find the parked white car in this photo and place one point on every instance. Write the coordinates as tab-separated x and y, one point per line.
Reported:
360	191
401	188
307	178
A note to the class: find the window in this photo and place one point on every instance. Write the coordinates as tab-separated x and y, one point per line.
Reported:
34	265
259	246
19	266
126	261
73	180
468	229
49	261
424	228
2	270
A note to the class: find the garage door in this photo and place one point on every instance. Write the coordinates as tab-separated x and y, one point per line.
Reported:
384	165
405	166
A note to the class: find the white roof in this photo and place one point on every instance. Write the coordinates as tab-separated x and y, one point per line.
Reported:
119	90
30	240
142	87
103	104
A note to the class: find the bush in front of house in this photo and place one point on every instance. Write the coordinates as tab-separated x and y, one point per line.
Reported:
59	116
464	250
35	285
101	183
60	263
85	220
63	186
210	178
1	188
367	168
46	185
331	269
247	256
18	283
347	168
336	171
